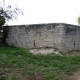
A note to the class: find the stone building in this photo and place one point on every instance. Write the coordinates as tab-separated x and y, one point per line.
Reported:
65	37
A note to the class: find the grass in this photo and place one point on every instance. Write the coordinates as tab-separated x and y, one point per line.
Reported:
50	66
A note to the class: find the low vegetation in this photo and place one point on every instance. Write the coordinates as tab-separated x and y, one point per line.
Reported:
17	62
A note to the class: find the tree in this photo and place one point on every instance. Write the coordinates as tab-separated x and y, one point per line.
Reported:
7	13
2	20
79	20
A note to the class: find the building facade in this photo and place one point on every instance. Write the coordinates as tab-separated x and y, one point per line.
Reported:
65	37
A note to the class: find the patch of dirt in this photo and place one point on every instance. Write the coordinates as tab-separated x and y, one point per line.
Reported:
44	51
13	73
74	76
16	74
74	53
22	76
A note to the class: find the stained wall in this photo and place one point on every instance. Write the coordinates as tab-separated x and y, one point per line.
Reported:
65	37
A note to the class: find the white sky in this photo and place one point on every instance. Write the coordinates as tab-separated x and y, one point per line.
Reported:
46	11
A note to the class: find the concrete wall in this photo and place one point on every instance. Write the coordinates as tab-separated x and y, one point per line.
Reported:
71	38
35	36
64	37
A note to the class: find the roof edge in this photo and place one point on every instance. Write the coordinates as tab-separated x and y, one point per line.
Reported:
45	24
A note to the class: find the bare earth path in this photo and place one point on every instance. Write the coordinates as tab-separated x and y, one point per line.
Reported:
75	76
22	76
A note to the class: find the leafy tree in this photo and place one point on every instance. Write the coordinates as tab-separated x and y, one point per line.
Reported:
7	12
79	20
2	20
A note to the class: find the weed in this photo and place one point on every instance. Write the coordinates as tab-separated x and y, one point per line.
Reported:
50	66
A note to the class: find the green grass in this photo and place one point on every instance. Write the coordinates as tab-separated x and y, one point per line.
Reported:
50	66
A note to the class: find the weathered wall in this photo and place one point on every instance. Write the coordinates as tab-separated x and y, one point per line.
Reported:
71	38
64	37
35	36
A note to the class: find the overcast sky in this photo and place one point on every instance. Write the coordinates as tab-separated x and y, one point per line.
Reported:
46	11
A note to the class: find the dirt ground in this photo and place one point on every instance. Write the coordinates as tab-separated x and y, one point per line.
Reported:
12	73
19	75
74	53
16	74
74	76
45	51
